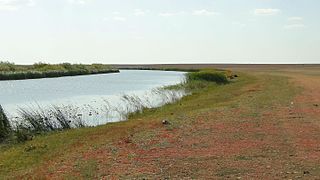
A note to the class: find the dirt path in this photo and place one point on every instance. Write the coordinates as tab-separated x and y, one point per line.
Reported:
264	134
304	124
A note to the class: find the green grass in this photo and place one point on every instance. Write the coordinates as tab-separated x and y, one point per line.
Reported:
10	71
211	76
5	127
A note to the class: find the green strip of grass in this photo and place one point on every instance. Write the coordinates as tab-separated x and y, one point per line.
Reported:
10	71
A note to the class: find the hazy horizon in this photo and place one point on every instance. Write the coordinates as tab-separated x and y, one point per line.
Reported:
160	32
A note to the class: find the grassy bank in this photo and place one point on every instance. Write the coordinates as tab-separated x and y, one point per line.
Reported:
38	121
23	157
10	71
254	127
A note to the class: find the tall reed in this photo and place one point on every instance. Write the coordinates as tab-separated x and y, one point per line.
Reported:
5	127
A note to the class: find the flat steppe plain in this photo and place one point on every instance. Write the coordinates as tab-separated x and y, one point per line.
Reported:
265	124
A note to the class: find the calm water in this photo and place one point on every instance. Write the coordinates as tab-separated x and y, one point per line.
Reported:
83	91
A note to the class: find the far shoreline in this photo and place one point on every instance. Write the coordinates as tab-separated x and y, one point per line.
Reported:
9	71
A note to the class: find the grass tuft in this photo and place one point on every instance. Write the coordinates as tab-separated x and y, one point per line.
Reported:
211	76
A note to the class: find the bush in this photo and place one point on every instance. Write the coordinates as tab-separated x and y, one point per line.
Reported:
212	76
23	134
5	127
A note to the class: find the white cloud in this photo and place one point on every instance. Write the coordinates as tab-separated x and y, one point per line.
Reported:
79	2
266	12
170	14
295	19
119	18
295	26
204	12
13	5
295	23
139	12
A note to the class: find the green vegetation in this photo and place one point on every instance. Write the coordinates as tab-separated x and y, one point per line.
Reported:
36	122
212	76
10	71
5	127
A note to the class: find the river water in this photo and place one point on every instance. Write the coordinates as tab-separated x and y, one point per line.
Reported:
97	98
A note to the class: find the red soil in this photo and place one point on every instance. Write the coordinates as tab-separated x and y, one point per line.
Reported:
280	142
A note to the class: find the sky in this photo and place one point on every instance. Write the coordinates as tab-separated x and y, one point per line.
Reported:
160	31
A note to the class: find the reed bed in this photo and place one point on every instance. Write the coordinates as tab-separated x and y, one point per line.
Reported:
10	71
37	120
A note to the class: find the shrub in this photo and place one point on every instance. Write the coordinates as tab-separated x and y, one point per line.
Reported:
22	134
5	127
212	76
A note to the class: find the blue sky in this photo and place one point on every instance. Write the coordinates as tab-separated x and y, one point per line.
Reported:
160	31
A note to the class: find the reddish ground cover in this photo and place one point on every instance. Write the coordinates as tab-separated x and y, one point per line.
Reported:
241	140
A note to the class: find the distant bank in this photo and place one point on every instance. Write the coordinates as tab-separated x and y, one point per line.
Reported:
215	66
10	71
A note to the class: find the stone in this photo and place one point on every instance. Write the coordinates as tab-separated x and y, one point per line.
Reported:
165	122
306	172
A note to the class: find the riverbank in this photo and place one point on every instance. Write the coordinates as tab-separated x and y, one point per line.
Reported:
260	126
10	71
29	122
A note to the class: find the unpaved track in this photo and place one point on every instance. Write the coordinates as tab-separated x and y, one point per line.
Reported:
257	136
305	112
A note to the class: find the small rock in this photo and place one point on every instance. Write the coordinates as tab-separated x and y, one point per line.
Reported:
268	167
316	105
236	75
288	172
306	172
165	122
